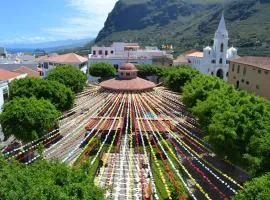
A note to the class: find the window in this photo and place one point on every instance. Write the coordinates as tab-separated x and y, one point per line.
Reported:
257	87
122	73
5	94
106	53
266	72
247	82
100	52
237	84
128	74
220	61
233	66
213	61
46	65
245	71
112	52
238	69
94	53
242	80
227	62
227	74
221	47
212	73
259	71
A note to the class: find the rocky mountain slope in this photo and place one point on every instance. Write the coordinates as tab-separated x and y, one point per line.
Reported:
189	24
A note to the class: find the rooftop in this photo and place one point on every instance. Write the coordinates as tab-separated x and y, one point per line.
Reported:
260	62
26	70
136	84
196	54
7	75
127	80
65	58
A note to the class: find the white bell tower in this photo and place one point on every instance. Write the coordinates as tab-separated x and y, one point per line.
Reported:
221	43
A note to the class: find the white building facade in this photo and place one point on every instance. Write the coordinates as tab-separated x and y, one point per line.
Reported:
120	53
215	60
49	63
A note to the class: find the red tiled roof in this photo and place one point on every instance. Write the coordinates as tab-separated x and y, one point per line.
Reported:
195	54
66	58
260	62
28	71
6	75
128	67
136	84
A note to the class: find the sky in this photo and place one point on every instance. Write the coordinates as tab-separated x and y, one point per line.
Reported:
41	21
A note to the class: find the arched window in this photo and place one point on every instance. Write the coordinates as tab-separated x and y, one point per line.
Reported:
220	61
221	47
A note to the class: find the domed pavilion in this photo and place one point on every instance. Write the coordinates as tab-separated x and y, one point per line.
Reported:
127	80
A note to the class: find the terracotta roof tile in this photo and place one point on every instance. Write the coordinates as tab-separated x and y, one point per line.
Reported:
260	62
65	58
196	54
135	84
28	71
6	75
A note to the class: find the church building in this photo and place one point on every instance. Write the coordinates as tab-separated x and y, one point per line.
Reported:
215	60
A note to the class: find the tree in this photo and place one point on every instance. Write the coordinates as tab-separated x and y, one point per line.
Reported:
177	77
28	119
70	76
258	188
199	88
46	180
59	95
103	70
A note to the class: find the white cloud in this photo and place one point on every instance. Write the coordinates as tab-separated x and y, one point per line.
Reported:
86	20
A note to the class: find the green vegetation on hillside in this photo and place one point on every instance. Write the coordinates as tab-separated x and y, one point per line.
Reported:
46	180
189	24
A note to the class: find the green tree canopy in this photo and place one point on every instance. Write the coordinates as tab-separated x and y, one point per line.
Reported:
258	188
102	69
145	70
237	126
177	77
28	119
70	76
46	180
199	88
59	95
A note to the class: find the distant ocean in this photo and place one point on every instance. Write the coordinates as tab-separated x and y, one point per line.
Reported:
20	50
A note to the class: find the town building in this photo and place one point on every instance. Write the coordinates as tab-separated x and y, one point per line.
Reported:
215	60
251	74
3	93
26	70
120	53
127	80
48	63
3	53
5	79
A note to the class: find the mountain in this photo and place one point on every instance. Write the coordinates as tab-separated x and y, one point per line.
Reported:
54	46
189	24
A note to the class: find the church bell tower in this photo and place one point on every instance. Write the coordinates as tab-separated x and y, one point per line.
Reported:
221	42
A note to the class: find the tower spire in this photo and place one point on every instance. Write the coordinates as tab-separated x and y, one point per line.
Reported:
222	29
